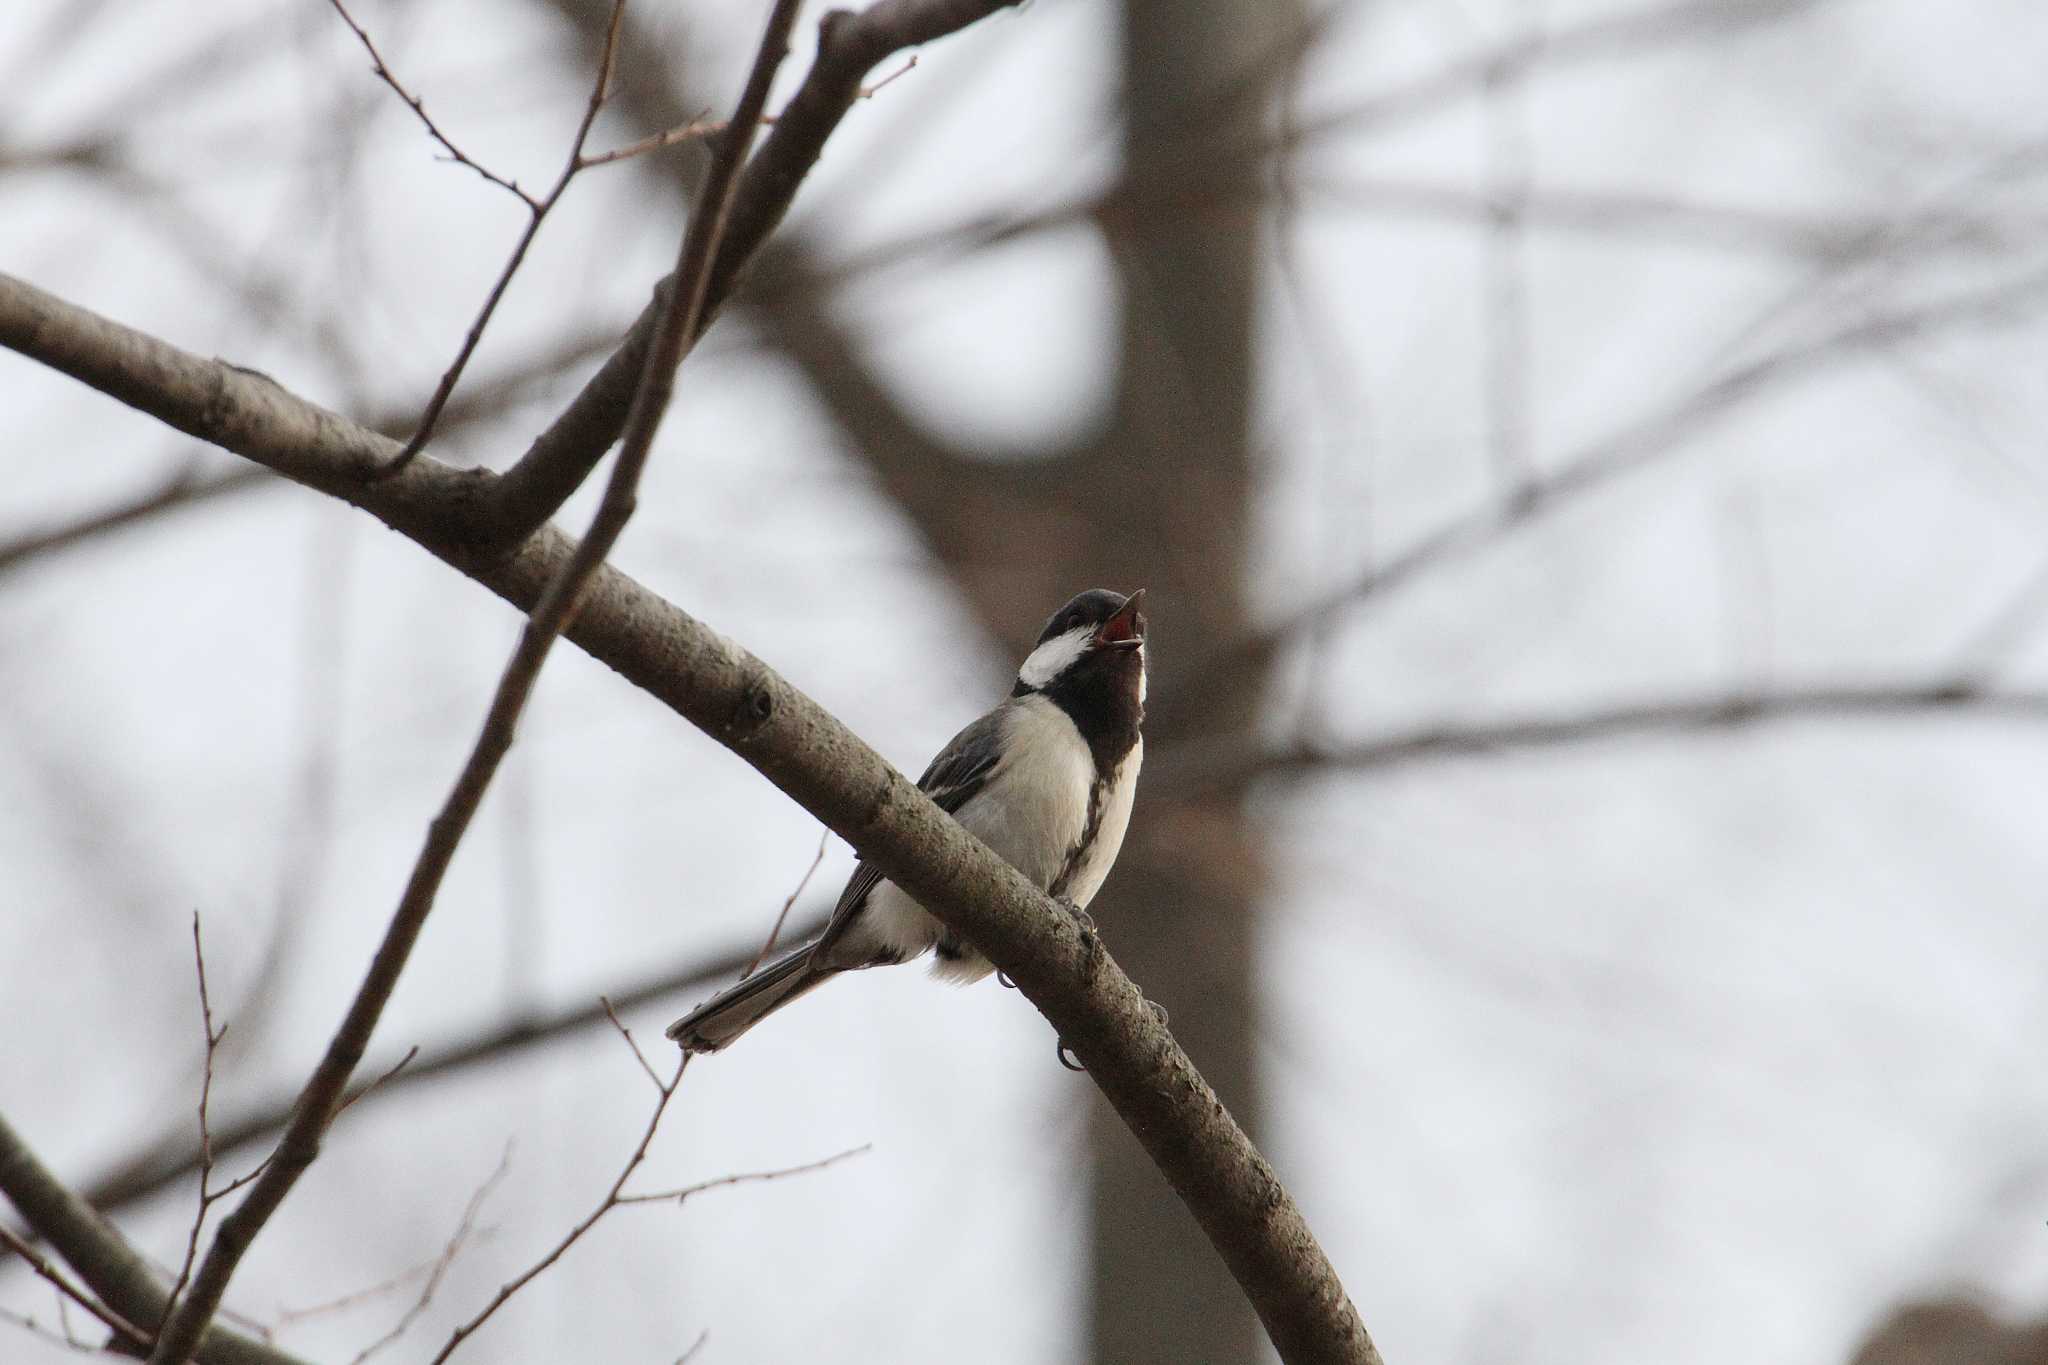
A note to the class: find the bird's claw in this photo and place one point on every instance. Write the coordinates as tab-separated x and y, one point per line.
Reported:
1067	1057
1080	916
1158	1011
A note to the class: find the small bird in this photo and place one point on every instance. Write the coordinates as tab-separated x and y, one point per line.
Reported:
1046	780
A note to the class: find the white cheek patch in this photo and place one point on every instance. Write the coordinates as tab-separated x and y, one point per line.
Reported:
1053	657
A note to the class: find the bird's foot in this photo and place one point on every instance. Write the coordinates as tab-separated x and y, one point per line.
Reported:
1067	1057
1081	917
1158	1011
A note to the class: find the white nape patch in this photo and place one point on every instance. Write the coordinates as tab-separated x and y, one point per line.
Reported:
1054	657
1143	669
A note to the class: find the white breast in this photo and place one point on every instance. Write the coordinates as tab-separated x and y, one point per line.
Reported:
1044	780
1109	834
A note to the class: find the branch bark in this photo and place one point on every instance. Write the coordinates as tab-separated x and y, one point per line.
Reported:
732	696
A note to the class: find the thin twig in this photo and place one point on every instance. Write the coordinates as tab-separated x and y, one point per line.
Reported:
696	130
775	932
536	213
695	1346
419	109
153	1169
678	1196
703	126
627	1034
665	1092
127	1332
392	1071
439	1271
208	1196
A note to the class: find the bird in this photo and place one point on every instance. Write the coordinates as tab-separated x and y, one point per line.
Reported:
1046	779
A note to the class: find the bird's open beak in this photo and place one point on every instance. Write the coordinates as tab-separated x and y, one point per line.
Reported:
1126	629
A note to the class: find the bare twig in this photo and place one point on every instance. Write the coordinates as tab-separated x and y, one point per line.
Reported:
696	130
125	1332
419	109
627	1034
775	931
148	1172
704	126
207	1195
319	1100
695	1346
678	1196
390	1073
665	1092
537	211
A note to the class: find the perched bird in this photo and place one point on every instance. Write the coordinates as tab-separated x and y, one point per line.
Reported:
1046	780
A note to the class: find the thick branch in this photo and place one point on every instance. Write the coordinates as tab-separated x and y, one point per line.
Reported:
849	47
739	701
95	1249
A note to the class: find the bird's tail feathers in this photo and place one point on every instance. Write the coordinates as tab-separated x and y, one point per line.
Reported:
739	1007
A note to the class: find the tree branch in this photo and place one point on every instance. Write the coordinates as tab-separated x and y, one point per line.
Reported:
95	1249
1192	766
1232	1191
849	47
182	490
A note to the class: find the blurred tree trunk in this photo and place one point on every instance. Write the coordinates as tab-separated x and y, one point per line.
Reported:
1173	492
1952	1331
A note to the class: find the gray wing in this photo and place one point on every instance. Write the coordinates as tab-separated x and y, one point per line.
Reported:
961	769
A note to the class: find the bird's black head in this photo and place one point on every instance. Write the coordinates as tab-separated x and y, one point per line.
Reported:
1090	659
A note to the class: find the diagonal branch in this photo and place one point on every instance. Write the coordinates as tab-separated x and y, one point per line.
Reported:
95	1249
127	1335
1231	1189
849	47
